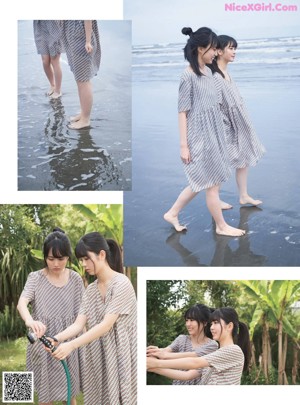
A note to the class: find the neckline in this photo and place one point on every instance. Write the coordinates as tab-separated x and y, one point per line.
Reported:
57	286
103	298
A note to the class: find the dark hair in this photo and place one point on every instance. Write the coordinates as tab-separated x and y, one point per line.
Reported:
95	242
202	38
58	241
200	313
240	333
223	41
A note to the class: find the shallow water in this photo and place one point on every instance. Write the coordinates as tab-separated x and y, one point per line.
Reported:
273	230
53	157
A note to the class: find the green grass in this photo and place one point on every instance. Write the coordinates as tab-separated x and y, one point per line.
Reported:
13	358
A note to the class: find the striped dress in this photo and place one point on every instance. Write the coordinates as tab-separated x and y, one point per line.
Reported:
244	147
57	308
83	65
47	37
226	366
110	375
209	164
183	344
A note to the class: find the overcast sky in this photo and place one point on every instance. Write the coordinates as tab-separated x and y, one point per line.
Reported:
156	21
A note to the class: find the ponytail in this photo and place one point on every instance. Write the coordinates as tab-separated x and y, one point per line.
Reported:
243	340
114	257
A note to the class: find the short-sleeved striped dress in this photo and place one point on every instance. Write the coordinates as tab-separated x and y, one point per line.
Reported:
57	308
244	147
183	344
209	164
110	375
83	65
226	366
47	37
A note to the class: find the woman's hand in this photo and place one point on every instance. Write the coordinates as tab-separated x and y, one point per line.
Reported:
37	327
151	363
54	343
88	47
63	350
185	154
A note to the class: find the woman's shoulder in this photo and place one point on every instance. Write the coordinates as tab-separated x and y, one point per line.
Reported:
212	343
75	276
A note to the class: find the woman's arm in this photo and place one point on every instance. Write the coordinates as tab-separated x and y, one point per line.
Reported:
94	333
184	149
72	330
165	354
176	374
183	364
38	327
88	35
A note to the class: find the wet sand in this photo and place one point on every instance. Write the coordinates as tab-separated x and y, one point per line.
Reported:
273	230
53	157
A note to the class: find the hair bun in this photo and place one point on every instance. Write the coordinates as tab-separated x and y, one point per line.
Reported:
187	31
57	229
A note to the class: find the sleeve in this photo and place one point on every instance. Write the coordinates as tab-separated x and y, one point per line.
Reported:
225	358
30	287
219	86
84	303
185	95
122	298
176	345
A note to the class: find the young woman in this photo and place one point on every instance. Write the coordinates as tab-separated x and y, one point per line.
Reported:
222	367
47	36
55	294
108	311
197	343
202	141
82	45
244	147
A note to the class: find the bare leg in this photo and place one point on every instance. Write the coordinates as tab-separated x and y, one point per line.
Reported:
214	206
183	199
55	62
48	69
241	179
86	102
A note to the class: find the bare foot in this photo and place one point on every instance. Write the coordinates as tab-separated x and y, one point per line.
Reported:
55	95
225	206
228	230
80	124
249	200
173	220
50	91
75	118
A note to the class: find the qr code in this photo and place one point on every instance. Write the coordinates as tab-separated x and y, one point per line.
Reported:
17	386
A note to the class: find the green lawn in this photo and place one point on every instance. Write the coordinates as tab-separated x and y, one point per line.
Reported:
13	358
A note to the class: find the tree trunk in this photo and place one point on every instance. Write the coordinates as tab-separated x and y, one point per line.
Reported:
265	350
295	364
280	355
285	346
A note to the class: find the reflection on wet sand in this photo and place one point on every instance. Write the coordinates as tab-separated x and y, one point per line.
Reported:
91	166
224	255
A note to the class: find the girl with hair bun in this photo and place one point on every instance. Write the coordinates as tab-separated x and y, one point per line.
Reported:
202	141
222	367
197	343
108	311
55	295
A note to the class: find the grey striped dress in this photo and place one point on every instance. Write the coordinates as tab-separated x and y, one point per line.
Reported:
57	308
244	147
226	366
110	375
47	37
83	65
209	164
183	344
